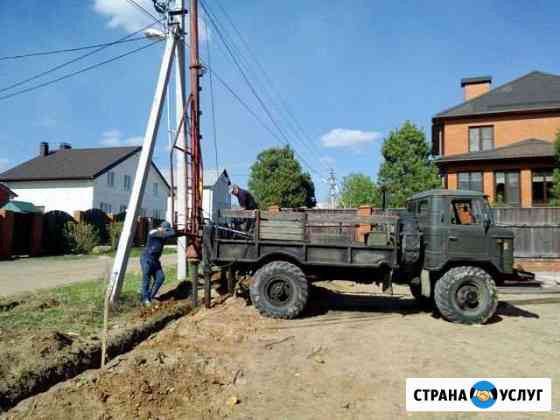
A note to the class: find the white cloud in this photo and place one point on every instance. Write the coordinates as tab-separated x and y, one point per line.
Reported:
4	164
114	138
341	137
124	14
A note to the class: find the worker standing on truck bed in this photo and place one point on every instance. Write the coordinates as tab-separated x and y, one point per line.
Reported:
150	263
244	197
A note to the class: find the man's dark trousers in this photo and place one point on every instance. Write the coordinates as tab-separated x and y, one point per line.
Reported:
151	269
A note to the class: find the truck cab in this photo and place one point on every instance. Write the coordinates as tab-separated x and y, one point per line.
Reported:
458	228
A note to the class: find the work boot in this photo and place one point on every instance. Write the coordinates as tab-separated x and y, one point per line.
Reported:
147	303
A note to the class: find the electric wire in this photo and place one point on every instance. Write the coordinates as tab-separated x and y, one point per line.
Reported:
297	127
143	9
74	60
252	88
69	50
74	73
213	110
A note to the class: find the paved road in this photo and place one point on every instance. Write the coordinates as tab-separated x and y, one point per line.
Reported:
29	274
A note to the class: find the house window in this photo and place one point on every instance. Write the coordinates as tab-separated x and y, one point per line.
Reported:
127	183
470	181
507	188
542	187
156	192
105	207
122	209
110	179
481	138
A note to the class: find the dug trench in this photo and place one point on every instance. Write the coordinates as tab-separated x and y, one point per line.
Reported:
348	357
51	357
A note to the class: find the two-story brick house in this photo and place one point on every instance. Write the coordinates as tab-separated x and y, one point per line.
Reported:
500	141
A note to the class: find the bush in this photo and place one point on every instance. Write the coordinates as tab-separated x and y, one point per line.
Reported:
115	230
81	237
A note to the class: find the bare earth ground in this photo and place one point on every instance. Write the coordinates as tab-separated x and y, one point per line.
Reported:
29	274
348	358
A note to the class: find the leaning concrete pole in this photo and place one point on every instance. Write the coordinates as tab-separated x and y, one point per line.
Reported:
144	163
182	187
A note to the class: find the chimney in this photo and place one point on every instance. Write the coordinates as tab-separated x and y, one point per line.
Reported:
43	149
64	146
475	86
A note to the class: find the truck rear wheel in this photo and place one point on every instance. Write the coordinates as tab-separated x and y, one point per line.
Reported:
279	290
466	295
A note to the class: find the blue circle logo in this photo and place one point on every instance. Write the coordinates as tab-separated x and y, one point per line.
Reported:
484	394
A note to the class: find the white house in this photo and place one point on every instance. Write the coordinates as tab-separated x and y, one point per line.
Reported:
215	195
70	179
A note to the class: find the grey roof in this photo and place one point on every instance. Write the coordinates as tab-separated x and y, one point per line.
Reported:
534	91
443	192
529	148
475	80
69	164
211	176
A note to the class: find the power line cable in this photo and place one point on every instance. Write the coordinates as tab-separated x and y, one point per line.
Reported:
74	60
250	85
212	106
85	69
247	107
297	126
143	9
69	50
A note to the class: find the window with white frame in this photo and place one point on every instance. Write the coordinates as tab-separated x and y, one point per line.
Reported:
110	179
127	182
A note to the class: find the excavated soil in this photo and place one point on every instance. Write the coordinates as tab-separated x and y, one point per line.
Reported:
348	357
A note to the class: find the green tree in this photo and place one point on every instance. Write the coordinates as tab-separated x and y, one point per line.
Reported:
555	201
277	178
357	190
407	168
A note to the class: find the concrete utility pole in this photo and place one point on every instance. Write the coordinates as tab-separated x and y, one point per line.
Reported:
182	187
144	163
332	188
189	185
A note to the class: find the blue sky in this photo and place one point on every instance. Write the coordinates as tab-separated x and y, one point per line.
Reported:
349	70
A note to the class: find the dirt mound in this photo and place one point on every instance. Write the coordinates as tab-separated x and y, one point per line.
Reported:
186	371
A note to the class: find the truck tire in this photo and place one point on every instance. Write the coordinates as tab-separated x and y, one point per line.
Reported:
466	295
279	290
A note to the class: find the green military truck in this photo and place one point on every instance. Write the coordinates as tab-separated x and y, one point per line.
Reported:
445	245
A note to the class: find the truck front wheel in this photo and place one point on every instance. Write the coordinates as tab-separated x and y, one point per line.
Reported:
279	290
466	295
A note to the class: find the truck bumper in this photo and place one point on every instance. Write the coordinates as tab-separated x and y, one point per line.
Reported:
524	283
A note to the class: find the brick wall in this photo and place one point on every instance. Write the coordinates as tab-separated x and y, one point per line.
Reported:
507	130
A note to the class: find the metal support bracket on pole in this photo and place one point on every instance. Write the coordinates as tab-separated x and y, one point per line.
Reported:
144	164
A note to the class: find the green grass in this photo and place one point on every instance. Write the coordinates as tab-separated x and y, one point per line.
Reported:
76	308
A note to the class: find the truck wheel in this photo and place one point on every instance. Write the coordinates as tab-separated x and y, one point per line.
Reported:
279	290
466	295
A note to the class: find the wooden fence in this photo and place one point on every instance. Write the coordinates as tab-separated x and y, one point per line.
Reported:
536	230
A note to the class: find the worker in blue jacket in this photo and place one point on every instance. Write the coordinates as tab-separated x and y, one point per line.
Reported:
150	263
